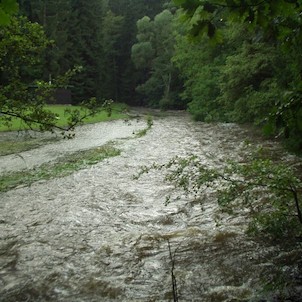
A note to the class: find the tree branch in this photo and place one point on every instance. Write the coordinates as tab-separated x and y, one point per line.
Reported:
174	283
47	124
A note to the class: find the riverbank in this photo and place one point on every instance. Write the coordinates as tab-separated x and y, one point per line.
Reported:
99	234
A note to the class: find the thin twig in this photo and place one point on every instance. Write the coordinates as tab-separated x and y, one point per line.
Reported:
51	125
173	278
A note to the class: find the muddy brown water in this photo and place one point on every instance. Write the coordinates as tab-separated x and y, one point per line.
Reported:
100	235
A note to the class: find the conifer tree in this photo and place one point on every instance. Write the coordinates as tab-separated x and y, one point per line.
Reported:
84	50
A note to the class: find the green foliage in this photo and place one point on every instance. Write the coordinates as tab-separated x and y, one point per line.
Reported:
285	119
22	46
200	69
7	9
205	16
247	80
231	82
269	192
143	132
152	55
65	166
253	75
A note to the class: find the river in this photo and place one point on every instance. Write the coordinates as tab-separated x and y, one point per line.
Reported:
101	235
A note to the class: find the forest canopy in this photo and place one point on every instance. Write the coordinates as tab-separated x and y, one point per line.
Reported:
246	58
223	60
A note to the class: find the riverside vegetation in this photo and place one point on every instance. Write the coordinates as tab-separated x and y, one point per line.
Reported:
224	61
26	140
229	61
268	192
65	165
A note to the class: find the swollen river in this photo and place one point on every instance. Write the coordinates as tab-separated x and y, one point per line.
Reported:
101	235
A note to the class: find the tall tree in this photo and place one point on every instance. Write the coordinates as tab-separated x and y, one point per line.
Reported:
127	75
54	17
84	46
277	24
110	35
152	54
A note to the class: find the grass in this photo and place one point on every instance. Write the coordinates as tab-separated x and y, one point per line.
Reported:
117	113
65	166
143	132
10	146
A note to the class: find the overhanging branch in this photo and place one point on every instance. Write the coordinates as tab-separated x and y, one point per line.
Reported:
47	124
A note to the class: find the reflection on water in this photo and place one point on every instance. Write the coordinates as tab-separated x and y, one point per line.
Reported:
100	235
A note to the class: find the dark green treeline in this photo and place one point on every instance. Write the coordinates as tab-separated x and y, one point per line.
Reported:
97	35
139	52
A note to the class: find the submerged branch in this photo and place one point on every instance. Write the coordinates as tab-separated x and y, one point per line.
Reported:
173	278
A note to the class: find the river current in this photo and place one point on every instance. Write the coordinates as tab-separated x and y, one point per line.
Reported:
101	235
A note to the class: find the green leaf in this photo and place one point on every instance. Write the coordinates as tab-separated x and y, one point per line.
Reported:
199	28
268	129
9	6
4	18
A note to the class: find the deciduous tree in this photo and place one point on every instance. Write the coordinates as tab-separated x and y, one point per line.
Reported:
152	54
23	94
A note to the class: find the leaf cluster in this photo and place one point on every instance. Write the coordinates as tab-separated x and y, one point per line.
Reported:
269	193
7	9
205	16
152	56
253	75
22	45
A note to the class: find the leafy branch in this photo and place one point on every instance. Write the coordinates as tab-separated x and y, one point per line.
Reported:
201	14
270	192
46	120
22	96
33	113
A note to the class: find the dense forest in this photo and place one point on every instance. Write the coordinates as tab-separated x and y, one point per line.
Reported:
223	61
96	35
230	61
